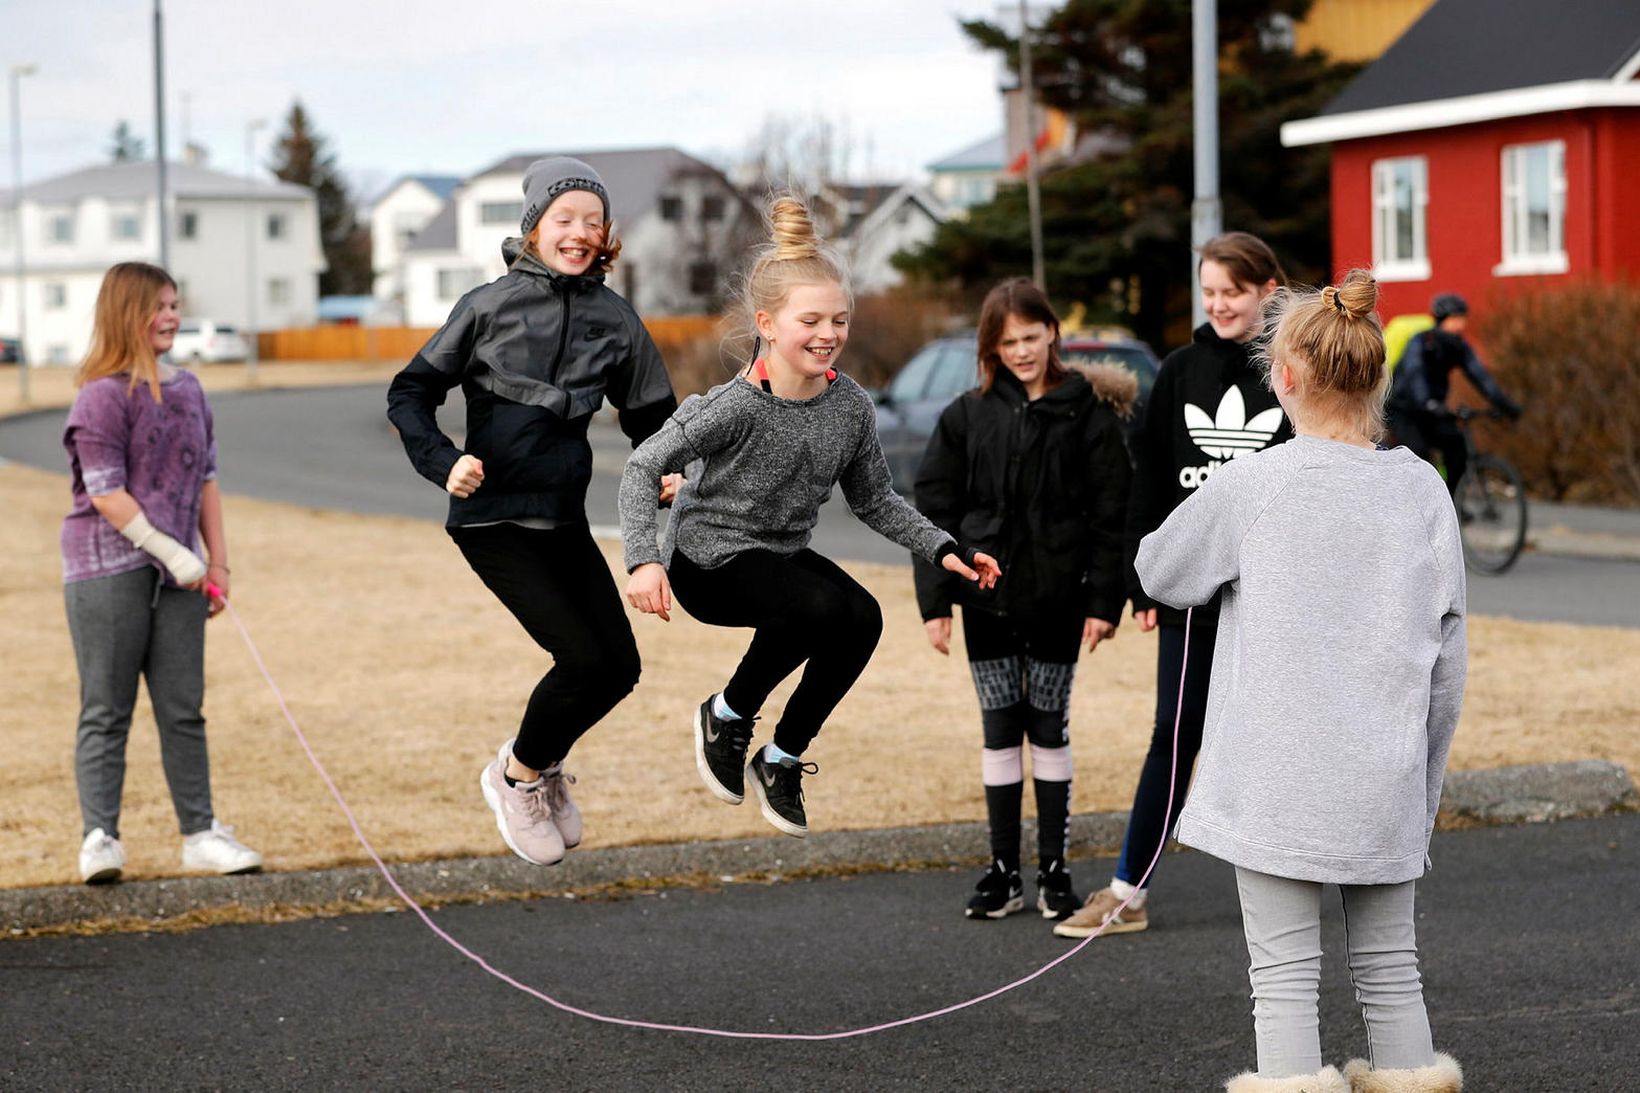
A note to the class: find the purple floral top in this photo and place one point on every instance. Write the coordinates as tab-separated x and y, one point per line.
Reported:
161	453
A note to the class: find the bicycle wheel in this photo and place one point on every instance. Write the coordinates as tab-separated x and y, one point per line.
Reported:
1491	514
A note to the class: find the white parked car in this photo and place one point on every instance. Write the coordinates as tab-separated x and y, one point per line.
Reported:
200	340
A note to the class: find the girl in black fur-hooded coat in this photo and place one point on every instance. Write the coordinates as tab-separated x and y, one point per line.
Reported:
1031	468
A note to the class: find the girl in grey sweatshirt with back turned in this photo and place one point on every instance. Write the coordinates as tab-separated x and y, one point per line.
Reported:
764	452
1337	680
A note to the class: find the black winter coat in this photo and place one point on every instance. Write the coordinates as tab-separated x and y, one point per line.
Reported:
535	352
1039	485
1210	404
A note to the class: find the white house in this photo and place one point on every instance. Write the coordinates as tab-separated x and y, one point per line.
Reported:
683	227
969	177
238	245
396	217
871	222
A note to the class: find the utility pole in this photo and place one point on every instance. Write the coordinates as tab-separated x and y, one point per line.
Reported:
17	74
159	135
1206	212
250	248
1033	195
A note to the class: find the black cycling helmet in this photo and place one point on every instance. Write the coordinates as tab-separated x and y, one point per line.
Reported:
1448	304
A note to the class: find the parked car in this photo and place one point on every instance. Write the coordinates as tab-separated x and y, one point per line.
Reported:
11	350
911	404
200	340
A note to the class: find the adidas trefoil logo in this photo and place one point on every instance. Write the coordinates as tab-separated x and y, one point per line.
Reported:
1228	433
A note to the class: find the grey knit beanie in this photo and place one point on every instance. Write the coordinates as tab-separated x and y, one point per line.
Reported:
546	178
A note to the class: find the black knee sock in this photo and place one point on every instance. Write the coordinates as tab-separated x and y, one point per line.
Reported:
1002	809
1053	812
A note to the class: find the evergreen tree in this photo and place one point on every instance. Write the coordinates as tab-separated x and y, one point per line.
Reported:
127	145
301	156
1116	227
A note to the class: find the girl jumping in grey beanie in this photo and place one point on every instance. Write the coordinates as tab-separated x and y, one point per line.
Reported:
535	353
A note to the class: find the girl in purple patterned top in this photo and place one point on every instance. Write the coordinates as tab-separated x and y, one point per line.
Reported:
143	460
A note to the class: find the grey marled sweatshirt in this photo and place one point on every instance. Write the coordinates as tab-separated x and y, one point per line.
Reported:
759	468
1340	663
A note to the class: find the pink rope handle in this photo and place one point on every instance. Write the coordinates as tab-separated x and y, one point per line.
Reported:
657	1026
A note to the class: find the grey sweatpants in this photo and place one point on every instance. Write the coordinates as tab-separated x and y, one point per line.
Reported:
124	627
1282	920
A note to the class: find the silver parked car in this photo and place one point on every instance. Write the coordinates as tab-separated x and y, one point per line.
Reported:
910	406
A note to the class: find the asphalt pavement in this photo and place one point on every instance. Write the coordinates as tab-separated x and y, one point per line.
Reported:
1527	935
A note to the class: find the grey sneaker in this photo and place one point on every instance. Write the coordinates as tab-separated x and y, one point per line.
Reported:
523	814
720	752
564	813
779	789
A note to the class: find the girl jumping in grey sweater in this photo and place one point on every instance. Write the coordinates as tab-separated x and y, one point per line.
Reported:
1337	680
763	452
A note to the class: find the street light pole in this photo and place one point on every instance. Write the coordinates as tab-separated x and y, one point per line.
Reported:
1033	195
250	248
1206	212
159	134
17	74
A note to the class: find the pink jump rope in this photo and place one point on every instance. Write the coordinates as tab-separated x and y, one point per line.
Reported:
590	1015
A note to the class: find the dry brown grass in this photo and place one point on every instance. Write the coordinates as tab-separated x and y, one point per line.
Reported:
406	675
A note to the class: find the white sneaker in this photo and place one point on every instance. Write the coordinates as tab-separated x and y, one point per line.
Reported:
217	851
102	858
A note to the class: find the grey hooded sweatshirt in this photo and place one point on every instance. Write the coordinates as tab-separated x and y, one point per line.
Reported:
1339	669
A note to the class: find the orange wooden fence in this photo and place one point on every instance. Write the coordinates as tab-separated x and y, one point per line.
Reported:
399	343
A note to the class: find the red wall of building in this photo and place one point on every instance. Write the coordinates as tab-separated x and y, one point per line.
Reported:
1464	218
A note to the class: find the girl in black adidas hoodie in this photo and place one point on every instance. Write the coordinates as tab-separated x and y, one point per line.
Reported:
1210	404
1030	467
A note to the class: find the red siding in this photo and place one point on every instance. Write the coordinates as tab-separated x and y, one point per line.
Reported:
1465	213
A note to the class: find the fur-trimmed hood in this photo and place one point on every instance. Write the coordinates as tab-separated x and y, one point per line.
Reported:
1113	384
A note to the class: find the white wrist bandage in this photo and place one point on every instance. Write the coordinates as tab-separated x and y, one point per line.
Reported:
184	565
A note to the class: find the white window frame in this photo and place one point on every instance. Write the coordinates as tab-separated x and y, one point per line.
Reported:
54	220
53	296
118	215
1517	261
278	292
1388	266
278	227
491	213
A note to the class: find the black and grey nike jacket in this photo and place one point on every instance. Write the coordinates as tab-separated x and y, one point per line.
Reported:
535	352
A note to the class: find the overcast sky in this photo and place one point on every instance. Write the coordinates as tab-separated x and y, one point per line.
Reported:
401	86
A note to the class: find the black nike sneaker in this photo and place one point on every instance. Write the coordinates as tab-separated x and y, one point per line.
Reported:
1055	897
779	789
998	894
720	752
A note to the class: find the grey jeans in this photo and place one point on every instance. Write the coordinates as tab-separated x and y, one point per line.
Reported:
1282	920
125	627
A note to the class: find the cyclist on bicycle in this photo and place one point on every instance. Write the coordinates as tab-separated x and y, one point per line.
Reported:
1417	410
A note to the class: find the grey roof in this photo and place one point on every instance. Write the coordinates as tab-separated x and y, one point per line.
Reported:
140	178
438	233
984	155
635	177
440	186
1471	47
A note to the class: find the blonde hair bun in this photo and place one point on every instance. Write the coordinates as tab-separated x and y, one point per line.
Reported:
1356	296
791	231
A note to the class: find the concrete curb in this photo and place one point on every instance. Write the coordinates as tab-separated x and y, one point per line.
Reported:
1507	795
1563	542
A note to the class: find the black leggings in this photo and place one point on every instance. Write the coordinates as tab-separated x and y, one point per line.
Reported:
804	608
557	584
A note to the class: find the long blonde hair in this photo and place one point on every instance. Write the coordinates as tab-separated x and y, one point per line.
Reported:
126	304
1334	343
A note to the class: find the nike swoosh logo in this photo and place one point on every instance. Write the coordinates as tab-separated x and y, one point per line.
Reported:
767	775
711	737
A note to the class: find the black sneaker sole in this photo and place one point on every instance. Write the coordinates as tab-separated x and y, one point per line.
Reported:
780	822
1014	905
719	790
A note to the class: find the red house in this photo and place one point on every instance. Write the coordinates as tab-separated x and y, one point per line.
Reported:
1494	146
